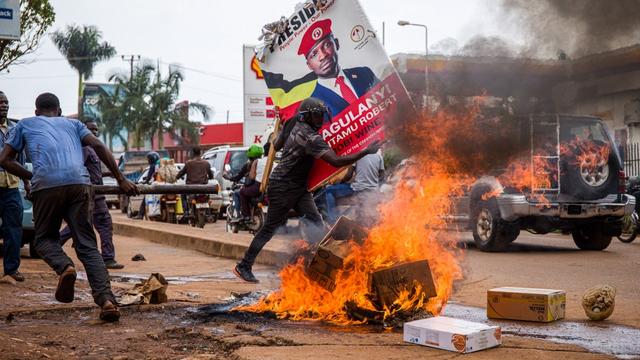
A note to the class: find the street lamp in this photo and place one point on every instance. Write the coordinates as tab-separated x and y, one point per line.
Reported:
426	58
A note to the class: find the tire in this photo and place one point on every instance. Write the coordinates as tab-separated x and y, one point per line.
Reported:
130	213
257	221
171	217
591	238
124	204
201	218
629	229
490	232
585	184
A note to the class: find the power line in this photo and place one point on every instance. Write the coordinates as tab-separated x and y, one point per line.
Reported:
43	77
210	91
218	75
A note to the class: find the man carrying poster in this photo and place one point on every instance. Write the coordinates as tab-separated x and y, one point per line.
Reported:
360	87
287	190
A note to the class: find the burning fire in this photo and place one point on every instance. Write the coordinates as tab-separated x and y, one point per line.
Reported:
411	227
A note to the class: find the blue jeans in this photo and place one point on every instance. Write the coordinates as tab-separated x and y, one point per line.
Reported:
236	203
333	192
11	229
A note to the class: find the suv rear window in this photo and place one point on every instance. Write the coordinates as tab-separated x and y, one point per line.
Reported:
586	129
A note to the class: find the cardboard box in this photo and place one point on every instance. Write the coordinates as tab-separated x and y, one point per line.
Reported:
332	250
388	283
528	304
452	334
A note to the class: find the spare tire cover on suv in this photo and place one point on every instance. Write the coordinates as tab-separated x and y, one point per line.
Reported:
589	163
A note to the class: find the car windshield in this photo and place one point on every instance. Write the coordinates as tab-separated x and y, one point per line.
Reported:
237	160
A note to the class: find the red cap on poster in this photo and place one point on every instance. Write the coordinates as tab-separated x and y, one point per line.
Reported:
316	32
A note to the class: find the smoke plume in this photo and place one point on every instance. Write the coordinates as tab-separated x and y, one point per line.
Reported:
574	27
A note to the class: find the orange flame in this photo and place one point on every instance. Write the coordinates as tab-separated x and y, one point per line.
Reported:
411	228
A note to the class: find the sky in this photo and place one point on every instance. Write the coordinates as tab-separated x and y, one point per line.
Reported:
206	38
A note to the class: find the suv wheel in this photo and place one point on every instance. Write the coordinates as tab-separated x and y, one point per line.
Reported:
591	238
490	232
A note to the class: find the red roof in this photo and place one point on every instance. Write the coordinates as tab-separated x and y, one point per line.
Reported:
221	134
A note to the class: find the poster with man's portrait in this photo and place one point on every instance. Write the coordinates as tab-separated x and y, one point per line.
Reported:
332	53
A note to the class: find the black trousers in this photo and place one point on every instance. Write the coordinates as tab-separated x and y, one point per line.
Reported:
74	205
282	198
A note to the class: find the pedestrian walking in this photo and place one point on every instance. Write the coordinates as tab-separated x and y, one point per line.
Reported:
61	191
10	207
101	218
301	145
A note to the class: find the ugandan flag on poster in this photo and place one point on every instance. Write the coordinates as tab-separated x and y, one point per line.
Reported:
287	95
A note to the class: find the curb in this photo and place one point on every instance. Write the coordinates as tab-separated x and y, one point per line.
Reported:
209	246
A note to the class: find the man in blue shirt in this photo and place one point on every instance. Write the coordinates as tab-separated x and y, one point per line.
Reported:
61	189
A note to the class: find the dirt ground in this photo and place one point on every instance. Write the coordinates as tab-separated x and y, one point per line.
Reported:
35	326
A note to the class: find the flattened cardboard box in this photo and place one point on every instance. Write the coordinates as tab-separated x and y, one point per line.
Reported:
452	334
528	304
388	283
332	250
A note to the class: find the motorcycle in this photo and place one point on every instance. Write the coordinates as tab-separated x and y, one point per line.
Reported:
198	209
630	222
236	223
168	204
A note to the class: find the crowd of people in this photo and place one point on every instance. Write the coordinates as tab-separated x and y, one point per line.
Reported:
66	157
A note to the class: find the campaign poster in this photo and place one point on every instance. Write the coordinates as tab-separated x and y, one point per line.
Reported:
259	113
330	51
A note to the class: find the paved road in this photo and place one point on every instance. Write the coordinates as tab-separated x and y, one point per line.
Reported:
553	261
170	332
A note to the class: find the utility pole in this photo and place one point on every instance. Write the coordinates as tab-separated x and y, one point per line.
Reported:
130	59
227	116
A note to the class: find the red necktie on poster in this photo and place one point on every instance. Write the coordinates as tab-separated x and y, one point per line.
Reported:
345	90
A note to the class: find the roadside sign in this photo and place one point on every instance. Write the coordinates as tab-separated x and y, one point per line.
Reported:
259	113
332	52
9	19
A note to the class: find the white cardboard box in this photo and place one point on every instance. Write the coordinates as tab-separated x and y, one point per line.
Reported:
452	334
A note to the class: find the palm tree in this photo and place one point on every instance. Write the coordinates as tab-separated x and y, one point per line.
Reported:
148	106
111	124
135	92
166	114
82	47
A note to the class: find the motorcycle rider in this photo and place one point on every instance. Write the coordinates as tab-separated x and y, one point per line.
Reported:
301	145
152	159
198	171
251	188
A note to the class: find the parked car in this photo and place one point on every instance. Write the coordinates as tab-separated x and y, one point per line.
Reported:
581	196
134	202
28	232
218	157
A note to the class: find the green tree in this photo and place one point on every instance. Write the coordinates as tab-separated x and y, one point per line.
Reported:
134	109
111	123
149	105
82	47
35	18
166	114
